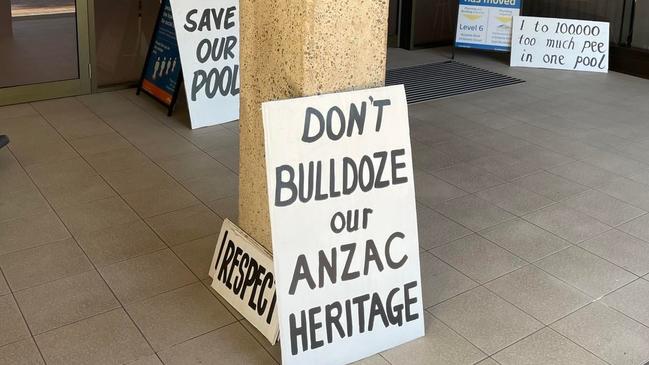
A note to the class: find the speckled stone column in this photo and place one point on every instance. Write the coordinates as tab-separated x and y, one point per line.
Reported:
293	48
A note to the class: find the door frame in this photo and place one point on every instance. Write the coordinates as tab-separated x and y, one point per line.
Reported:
59	89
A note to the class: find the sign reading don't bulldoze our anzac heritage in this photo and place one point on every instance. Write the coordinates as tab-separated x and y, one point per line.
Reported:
208	39
563	44
344	224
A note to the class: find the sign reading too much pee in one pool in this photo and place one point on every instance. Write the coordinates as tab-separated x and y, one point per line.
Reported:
344	225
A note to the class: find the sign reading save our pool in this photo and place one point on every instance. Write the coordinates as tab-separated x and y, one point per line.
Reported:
486	24
242	273
208	38
563	44
344	224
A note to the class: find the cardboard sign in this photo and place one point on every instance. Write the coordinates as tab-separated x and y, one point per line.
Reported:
161	74
242	273
563	44
486	24
344	224
208	37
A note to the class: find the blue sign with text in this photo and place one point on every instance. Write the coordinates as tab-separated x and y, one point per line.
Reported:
486	24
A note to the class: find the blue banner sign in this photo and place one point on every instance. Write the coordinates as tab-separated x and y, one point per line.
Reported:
486	24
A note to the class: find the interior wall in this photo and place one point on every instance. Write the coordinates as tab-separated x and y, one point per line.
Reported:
641	25
434	22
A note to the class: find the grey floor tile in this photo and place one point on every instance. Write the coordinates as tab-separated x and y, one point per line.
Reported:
584	174
96	215
147	360
436	230
468	177
432	191
179	315
122	159
628	191
22	352
525	240
82	190
630	300
192	166
31	267
567	223
211	188
186	224
440	281
608	334
603	207
621	249
485	320
478	258
546	347
540	157
65	301
638	227
499	141
197	254
143	178
505	166
4	287
487	361
463	149
226	208
150	203
27	232
145	276
109	338
514	199
13	326
550	186
585	271
21	203
230	345
440	346
119	242
473	212
538	294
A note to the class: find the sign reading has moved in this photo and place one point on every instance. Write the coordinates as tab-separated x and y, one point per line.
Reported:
344	224
563	44
486	24
208	38
242	273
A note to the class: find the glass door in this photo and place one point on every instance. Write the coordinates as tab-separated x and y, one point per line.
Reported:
43	49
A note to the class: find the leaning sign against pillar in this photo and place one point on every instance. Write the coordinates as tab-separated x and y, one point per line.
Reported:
344	224
208	39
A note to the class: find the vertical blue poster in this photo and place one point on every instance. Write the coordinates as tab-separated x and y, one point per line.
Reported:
162	68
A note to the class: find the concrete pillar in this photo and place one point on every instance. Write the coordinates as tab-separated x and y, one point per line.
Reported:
5	19
293	48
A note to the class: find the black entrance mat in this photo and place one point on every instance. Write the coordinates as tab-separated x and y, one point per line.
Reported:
444	79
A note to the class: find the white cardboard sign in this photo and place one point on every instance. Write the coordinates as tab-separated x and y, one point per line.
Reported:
563	44
208	41
344	224
242	273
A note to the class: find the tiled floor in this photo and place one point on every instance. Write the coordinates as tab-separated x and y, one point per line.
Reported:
533	204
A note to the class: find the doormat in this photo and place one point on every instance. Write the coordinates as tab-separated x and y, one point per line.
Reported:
444	79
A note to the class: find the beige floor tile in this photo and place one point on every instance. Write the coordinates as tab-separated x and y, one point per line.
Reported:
436	230
119	243
12	176
485	320
546	347
630	300
478	258
163	150
21	203
226	208
439	281
109	338
440	346
13	326
228	345
603	207
32	231
4	287
540	295
179	315
120	159
42	264
608	334
276	351
68	300
18	110
80	127
99	143
143	178
214	187
82	190
525	240
151	203
586	272
514	199
186	224
468	177
147	360
192	166
207	283
550	186
22	352
61	172
146	276
197	254
96	215
473	212
621	249
431	191
567	223
40	152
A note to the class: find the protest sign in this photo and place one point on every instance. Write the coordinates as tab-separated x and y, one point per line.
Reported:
344	224
486	24
208	39
563	44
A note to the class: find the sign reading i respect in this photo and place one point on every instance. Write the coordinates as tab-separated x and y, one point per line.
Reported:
563	44
208	39
344	224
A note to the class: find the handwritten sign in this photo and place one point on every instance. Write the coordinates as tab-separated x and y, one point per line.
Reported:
563	44
486	24
208	39
344	224
242	273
